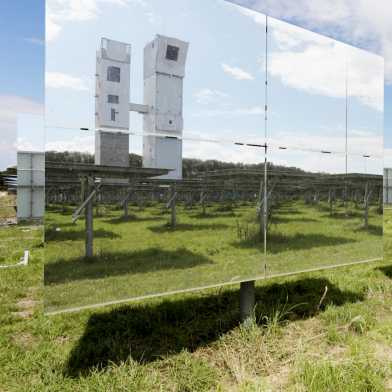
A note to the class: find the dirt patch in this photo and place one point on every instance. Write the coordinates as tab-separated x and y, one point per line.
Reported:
25	314
278	380
26	307
383	352
62	339
27	304
24	340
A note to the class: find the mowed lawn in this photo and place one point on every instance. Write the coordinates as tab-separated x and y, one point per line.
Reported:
15	239
7	210
143	255
321	331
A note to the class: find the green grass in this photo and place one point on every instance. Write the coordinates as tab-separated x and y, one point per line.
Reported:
143	255
355	375
193	342
15	239
7	210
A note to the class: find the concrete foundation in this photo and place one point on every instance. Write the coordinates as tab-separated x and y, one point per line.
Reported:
112	148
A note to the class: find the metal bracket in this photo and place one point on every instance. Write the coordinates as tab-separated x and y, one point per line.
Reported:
127	197
138	108
172	199
78	211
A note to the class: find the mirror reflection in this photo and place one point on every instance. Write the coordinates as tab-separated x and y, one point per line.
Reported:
181	157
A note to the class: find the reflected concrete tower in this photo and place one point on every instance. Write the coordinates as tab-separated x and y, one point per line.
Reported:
112	103
164	71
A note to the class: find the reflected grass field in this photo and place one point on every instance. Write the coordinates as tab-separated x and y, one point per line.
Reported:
143	255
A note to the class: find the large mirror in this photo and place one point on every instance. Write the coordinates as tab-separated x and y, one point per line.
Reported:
144	234
182	155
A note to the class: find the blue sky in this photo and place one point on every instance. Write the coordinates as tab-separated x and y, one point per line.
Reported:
224	83
21	69
220	101
22	42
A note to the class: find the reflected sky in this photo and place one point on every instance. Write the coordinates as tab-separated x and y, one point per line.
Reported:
225	77
31	129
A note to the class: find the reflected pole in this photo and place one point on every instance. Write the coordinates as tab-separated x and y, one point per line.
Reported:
247	289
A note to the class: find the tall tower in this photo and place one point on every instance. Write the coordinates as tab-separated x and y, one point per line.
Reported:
112	103
164	71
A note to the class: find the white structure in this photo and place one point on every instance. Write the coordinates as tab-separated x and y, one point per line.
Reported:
387	186
164	71
31	185
112	103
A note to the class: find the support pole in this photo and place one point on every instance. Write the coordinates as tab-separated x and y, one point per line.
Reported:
203	202
173	207
89	221
126	208
247	301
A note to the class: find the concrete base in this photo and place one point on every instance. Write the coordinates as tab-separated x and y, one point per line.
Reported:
247	301
112	148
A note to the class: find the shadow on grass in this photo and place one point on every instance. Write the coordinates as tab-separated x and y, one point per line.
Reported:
287	209
120	263
150	332
207	215
77	235
275	219
342	215
387	271
133	218
278	242
187	227
372	229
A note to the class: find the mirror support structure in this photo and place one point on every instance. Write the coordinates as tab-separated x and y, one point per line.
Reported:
247	301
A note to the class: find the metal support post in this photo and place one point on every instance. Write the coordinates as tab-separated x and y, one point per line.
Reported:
89	220
247	301
173	207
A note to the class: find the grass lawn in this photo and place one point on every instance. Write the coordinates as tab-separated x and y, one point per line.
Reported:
193	342
15	239
143	255
7	210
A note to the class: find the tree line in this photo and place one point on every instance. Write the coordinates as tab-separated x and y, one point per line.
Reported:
191	167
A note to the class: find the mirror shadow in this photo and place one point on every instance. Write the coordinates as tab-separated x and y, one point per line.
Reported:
387	271
150	332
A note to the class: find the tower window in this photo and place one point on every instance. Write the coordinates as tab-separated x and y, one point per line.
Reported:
172	52
113	99
113	114
113	74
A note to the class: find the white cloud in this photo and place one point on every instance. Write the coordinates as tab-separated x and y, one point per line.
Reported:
79	143
256	16
363	23
388	158
237	73
360	142
60	12
226	152
10	107
62	80
322	68
232	112
208	96
308	61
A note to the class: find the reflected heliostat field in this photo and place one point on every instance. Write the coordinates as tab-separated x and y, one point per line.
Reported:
258	157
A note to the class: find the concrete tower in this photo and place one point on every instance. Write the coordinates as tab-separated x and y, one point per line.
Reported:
112	103
164	71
